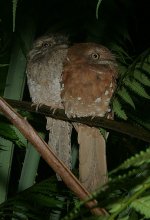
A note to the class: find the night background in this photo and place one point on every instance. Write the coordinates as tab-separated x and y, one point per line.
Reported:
123	27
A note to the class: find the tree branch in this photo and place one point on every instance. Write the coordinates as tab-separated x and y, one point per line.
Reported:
121	127
67	176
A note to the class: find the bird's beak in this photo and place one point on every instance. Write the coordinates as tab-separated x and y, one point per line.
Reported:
62	46
107	62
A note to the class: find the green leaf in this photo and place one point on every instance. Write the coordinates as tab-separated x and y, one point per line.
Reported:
124	218
122	68
97	7
9	132
139	121
136	87
120	50
117	108
14	12
4	65
136	160
21	140
104	133
146	67
142	205
123	93
115	207
141	77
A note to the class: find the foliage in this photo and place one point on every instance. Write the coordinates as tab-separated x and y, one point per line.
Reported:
9	132
126	194
97	7
14	12
134	78
36	202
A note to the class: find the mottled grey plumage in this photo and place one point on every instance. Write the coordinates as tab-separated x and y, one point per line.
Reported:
44	69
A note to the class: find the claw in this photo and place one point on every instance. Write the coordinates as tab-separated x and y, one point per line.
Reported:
36	105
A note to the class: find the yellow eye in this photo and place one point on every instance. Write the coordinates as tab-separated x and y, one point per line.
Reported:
95	56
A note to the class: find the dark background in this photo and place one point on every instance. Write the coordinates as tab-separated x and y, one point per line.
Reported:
118	19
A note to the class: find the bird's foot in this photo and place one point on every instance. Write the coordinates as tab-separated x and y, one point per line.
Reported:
36	105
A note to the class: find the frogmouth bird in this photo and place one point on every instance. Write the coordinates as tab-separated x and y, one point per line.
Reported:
80	79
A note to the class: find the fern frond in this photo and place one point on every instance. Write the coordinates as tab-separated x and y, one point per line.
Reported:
122	177
136	87
141	77
14	2
123	93
137	160
35	202
121	52
142	205
128	201
9	132
139	121
122	69
117	108
146	67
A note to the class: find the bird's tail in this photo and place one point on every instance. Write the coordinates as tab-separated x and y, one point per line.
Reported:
60	139
92	157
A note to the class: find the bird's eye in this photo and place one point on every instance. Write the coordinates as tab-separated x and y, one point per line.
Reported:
95	56
46	44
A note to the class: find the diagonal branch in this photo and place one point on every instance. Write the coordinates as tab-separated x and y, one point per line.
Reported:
121	127
67	176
